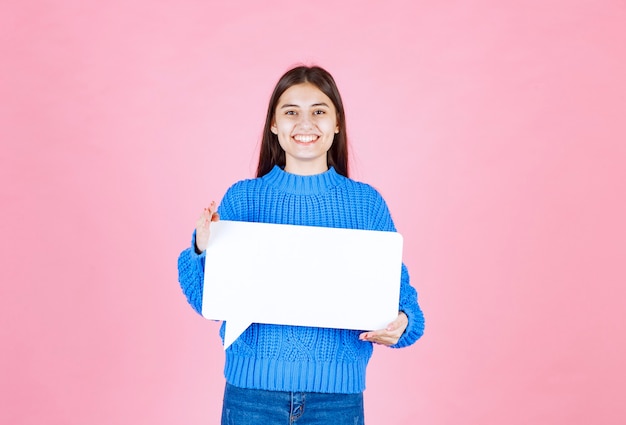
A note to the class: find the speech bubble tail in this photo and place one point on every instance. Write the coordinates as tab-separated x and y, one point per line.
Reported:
232	330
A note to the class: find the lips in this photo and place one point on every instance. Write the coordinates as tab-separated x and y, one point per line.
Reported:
305	138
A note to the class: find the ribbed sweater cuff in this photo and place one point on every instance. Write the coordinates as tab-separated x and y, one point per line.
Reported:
310	376
413	331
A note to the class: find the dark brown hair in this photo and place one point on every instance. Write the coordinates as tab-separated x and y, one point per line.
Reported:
271	153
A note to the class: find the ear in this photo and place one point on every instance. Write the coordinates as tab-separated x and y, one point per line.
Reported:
273	128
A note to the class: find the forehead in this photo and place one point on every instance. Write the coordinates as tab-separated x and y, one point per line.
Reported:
304	94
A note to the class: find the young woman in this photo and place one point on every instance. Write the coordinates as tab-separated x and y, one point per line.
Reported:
290	374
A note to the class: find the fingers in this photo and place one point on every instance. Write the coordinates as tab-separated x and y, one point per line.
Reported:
400	323
390	335
210	210
204	220
208	215
382	337
203	226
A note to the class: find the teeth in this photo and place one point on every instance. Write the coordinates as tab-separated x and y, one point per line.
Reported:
305	138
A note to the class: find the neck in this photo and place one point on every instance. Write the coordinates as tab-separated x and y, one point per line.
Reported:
306	168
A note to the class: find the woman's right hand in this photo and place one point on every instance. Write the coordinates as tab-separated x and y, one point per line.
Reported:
203	226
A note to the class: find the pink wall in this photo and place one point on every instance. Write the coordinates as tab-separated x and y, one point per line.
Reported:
495	130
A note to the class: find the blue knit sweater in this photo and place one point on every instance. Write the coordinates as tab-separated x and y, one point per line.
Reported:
295	358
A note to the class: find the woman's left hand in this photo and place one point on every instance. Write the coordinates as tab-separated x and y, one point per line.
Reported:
390	335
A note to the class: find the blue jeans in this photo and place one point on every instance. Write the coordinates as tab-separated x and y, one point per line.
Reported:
260	407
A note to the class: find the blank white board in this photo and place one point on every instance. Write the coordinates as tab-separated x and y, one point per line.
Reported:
300	275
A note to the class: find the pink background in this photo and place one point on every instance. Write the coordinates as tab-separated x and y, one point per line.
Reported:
495	130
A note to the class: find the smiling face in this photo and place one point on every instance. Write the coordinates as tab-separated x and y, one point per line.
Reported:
305	121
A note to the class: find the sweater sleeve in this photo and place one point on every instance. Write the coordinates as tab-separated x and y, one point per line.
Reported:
410	307
408	295
191	274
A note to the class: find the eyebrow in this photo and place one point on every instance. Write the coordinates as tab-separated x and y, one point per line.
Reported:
291	105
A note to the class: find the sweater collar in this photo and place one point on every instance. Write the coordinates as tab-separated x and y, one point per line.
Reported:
303	185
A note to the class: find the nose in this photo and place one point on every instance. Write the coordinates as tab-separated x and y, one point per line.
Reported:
305	121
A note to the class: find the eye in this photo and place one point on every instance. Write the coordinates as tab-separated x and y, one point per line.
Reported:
290	112
319	112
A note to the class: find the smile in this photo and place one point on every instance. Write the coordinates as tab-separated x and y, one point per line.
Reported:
305	138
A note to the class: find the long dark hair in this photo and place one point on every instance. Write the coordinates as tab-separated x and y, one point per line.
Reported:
271	153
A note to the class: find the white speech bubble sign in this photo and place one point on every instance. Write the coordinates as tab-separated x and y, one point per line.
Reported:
301	276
